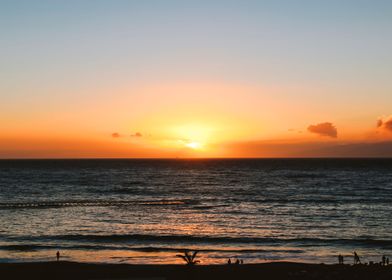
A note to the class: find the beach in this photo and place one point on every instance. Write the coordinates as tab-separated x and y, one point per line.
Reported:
274	270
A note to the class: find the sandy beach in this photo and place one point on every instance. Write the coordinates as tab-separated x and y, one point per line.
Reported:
276	270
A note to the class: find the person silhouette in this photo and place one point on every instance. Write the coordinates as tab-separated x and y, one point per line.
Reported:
340	259
58	255
229	262
356	258
384	260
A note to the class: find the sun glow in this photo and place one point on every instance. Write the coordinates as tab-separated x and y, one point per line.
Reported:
193	145
193	136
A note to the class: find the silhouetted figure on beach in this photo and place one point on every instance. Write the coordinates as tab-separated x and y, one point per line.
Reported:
384	260
58	255
237	261
356	258
229	262
241	261
340	259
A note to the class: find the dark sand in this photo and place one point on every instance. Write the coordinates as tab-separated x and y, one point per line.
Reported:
71	271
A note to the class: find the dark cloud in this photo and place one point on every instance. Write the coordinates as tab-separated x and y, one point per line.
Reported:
324	129
137	134
385	124
116	135
267	149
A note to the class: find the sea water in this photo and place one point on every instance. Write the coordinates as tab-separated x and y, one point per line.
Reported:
147	211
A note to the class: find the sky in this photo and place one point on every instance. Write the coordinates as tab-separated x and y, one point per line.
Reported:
108	79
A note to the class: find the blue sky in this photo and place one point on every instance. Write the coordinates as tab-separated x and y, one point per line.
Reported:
250	41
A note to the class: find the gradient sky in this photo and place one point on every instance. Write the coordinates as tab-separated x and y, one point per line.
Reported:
195	78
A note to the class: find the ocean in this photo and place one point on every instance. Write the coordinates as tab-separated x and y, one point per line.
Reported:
145	211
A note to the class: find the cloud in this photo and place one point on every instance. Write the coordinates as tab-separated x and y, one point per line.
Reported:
294	130
315	149
119	135
324	129
385	123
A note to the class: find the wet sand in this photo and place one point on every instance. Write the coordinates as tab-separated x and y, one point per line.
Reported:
276	270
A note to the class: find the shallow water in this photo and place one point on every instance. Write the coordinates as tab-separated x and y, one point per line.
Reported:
145	211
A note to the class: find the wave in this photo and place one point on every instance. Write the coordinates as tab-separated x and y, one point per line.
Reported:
36	247
148	249
333	200
304	175
185	202
24	247
191	239
87	203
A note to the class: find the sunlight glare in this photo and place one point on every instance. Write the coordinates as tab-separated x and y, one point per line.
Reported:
193	145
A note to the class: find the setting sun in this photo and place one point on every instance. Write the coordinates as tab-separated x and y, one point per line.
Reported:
157	89
193	145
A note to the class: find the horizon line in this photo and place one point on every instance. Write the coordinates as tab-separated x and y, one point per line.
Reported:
191	158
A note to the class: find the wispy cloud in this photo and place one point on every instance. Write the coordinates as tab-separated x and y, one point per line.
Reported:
324	129
294	130
119	135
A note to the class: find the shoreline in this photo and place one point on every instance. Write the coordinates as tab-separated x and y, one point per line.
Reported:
271	270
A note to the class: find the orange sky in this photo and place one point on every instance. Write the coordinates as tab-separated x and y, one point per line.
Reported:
189	120
195	79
